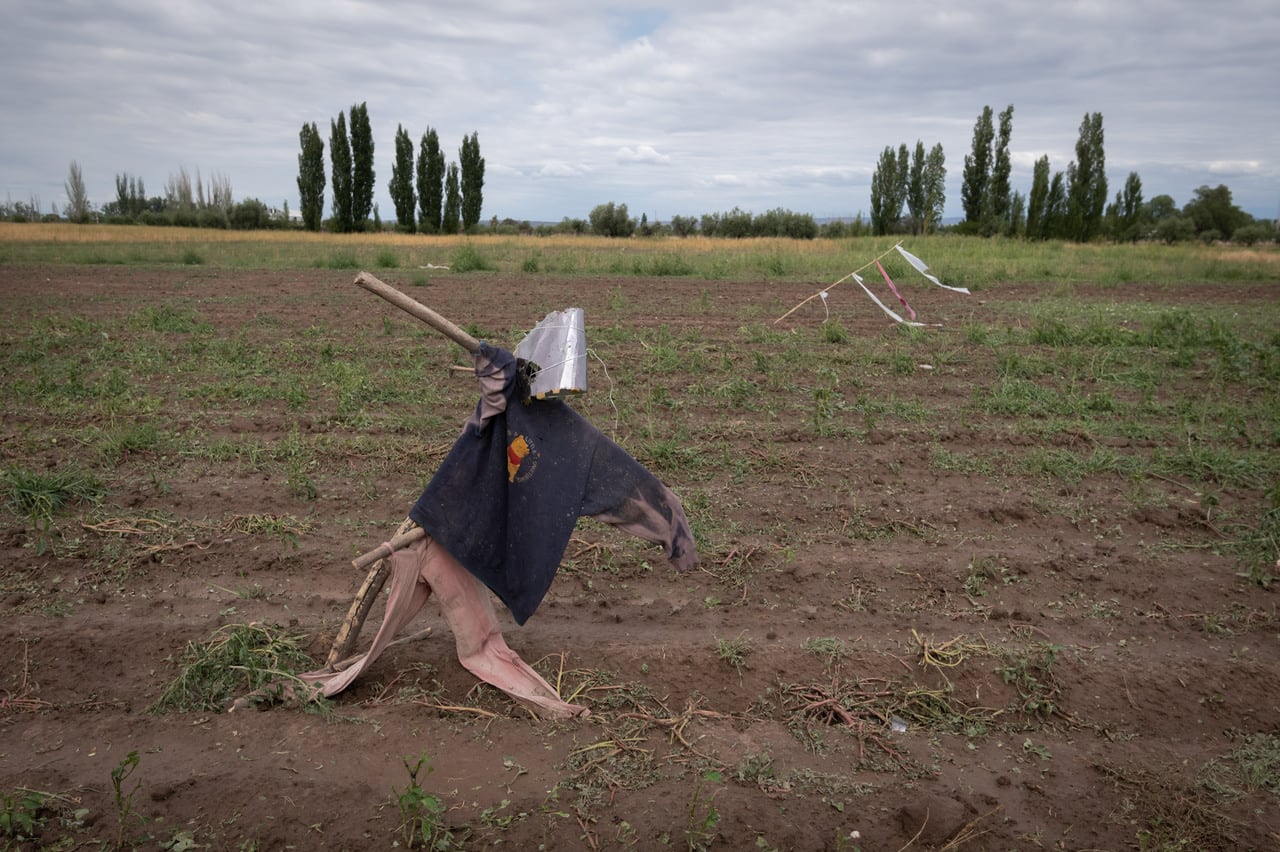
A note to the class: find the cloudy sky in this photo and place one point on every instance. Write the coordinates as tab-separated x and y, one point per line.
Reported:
673	108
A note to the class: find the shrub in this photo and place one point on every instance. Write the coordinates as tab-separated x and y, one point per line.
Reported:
250	214
1175	229
469	260
212	217
1255	233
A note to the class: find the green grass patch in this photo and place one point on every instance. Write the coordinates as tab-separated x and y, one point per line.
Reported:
236	662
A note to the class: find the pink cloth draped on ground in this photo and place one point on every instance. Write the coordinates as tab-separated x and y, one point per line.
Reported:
417	572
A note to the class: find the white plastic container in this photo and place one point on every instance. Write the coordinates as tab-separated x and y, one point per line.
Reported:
558	346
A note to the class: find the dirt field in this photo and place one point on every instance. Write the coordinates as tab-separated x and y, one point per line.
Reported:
898	638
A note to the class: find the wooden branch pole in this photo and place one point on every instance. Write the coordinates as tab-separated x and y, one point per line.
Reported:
378	559
418	310
398	542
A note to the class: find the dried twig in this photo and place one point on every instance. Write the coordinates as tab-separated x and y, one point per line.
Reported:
969	831
22	700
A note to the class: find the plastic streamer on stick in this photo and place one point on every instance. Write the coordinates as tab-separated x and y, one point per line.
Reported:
823	293
892	315
915	262
910	310
923	270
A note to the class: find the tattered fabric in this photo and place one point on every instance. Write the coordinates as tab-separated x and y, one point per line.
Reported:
507	497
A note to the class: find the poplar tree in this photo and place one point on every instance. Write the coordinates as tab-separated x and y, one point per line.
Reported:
430	183
977	170
915	188
472	180
999	193
77	197
452	201
1055	208
889	188
1127	210
311	177
926	187
362	174
401	186
1087	181
935	187
340	160
1038	200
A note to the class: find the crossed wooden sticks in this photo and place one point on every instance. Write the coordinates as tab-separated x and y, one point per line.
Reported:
377	560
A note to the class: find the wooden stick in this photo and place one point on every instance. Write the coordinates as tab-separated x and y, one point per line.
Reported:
408	532
398	542
412	637
418	310
365	598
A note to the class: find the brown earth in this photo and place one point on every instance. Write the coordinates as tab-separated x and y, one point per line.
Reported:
1070	661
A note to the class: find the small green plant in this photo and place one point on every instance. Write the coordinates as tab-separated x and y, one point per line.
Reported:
191	257
173	319
734	652
20	816
421	813
123	794
387	259
1252	766
469	259
834	332
826	646
757	769
703	816
1259	547
343	260
39	496
1031	673
980	574
1040	751
117	443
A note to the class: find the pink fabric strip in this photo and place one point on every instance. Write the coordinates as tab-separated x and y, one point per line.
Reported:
910	310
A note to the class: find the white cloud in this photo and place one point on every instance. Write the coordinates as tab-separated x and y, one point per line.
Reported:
644	154
561	170
1235	167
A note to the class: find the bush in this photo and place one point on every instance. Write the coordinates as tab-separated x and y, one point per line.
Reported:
1255	233
469	260
212	217
608	220
1175	229
250	214
684	226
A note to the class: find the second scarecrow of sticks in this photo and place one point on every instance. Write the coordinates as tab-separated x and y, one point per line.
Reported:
496	517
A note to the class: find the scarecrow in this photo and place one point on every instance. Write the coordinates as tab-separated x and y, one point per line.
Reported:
499	511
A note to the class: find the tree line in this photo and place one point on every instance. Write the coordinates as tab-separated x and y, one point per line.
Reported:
1068	206
428	197
431	196
187	201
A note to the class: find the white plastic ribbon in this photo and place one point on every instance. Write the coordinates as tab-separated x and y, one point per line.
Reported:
883	306
921	267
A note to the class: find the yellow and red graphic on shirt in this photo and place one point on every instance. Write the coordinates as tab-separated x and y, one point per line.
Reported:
517	450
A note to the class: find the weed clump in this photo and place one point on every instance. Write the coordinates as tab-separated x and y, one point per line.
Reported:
240	659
